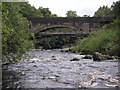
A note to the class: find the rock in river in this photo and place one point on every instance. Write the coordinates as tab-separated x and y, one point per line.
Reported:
99	57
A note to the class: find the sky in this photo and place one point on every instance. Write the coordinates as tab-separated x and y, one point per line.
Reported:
82	7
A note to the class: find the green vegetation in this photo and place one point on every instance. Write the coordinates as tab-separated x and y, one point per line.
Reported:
103	11
30	11
57	41
115	9
86	15
71	13
53	42
105	40
14	31
15	26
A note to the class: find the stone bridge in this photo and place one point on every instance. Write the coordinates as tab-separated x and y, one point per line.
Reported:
82	24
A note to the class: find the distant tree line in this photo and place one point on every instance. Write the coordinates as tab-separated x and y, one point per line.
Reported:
71	13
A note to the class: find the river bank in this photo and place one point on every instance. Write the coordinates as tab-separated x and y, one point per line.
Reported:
55	69
104	40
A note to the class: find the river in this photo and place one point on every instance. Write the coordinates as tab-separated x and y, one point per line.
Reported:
56	69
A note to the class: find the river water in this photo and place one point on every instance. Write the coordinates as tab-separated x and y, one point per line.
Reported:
55	69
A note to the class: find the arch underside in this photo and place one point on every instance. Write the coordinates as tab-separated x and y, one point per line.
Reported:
46	28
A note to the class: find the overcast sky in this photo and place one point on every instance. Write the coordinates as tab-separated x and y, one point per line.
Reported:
82	7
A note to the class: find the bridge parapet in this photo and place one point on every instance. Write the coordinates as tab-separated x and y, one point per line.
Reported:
70	19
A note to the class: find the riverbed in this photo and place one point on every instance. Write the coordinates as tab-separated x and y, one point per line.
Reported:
56	69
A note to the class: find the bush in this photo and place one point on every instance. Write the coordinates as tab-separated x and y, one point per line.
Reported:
14	31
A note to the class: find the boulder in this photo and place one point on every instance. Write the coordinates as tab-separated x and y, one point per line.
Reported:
99	57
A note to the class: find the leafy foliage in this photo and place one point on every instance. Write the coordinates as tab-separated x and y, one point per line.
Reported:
15	35
71	13
103	11
30	11
54	41
14	31
116	9
86	15
105	40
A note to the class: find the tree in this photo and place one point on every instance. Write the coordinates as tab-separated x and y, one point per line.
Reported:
45	11
116	9
71	13
29	11
103	11
15	35
14	31
86	15
54	15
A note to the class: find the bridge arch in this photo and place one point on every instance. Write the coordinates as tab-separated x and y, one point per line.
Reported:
38	28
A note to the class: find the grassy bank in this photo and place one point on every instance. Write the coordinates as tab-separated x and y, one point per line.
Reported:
105	40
